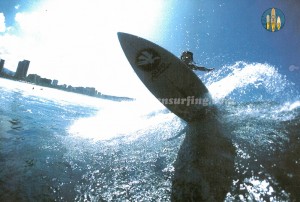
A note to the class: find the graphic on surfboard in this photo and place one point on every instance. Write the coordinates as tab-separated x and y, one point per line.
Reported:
167	77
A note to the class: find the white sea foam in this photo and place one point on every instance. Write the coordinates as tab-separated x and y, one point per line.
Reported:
263	81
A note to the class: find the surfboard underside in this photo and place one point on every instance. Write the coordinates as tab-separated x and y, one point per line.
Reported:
167	77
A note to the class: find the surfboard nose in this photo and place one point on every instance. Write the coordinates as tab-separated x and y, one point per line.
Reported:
120	34
128	40
122	37
125	38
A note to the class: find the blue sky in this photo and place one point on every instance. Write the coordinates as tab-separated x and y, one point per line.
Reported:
222	32
11	7
75	41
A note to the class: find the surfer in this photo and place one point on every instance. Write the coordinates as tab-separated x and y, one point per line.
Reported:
187	58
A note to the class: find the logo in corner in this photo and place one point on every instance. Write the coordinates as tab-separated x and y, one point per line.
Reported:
148	59
273	19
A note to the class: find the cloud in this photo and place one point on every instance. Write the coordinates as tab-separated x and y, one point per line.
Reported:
2	23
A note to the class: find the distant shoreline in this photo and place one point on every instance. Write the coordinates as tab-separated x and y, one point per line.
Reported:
98	95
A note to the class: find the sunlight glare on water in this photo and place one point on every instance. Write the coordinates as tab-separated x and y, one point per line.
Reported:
119	120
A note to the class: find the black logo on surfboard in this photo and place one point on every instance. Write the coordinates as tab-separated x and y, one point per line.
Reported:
148	59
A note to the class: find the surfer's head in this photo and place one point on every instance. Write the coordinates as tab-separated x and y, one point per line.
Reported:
187	57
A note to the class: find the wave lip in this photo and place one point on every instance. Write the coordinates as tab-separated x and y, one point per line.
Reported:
250	82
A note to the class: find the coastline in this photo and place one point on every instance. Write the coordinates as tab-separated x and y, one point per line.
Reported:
42	87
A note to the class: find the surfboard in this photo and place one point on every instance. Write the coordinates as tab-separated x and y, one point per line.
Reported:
171	81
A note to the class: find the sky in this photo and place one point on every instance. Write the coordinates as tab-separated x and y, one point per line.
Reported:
76	42
223	32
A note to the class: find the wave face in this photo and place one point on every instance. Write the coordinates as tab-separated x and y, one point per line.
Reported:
62	146
260	109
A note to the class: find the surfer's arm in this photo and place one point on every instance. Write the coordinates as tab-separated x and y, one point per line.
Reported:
194	67
203	69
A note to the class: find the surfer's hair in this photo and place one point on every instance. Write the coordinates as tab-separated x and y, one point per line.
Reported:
187	54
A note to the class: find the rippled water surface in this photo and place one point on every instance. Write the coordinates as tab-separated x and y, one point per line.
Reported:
62	146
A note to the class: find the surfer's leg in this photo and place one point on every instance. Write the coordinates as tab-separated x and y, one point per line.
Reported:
205	164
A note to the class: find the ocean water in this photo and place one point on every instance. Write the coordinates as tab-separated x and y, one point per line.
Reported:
60	146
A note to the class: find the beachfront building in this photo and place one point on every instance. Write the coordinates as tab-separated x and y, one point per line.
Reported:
1	64
34	78
22	69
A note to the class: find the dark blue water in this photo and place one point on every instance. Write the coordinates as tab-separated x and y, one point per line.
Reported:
58	146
